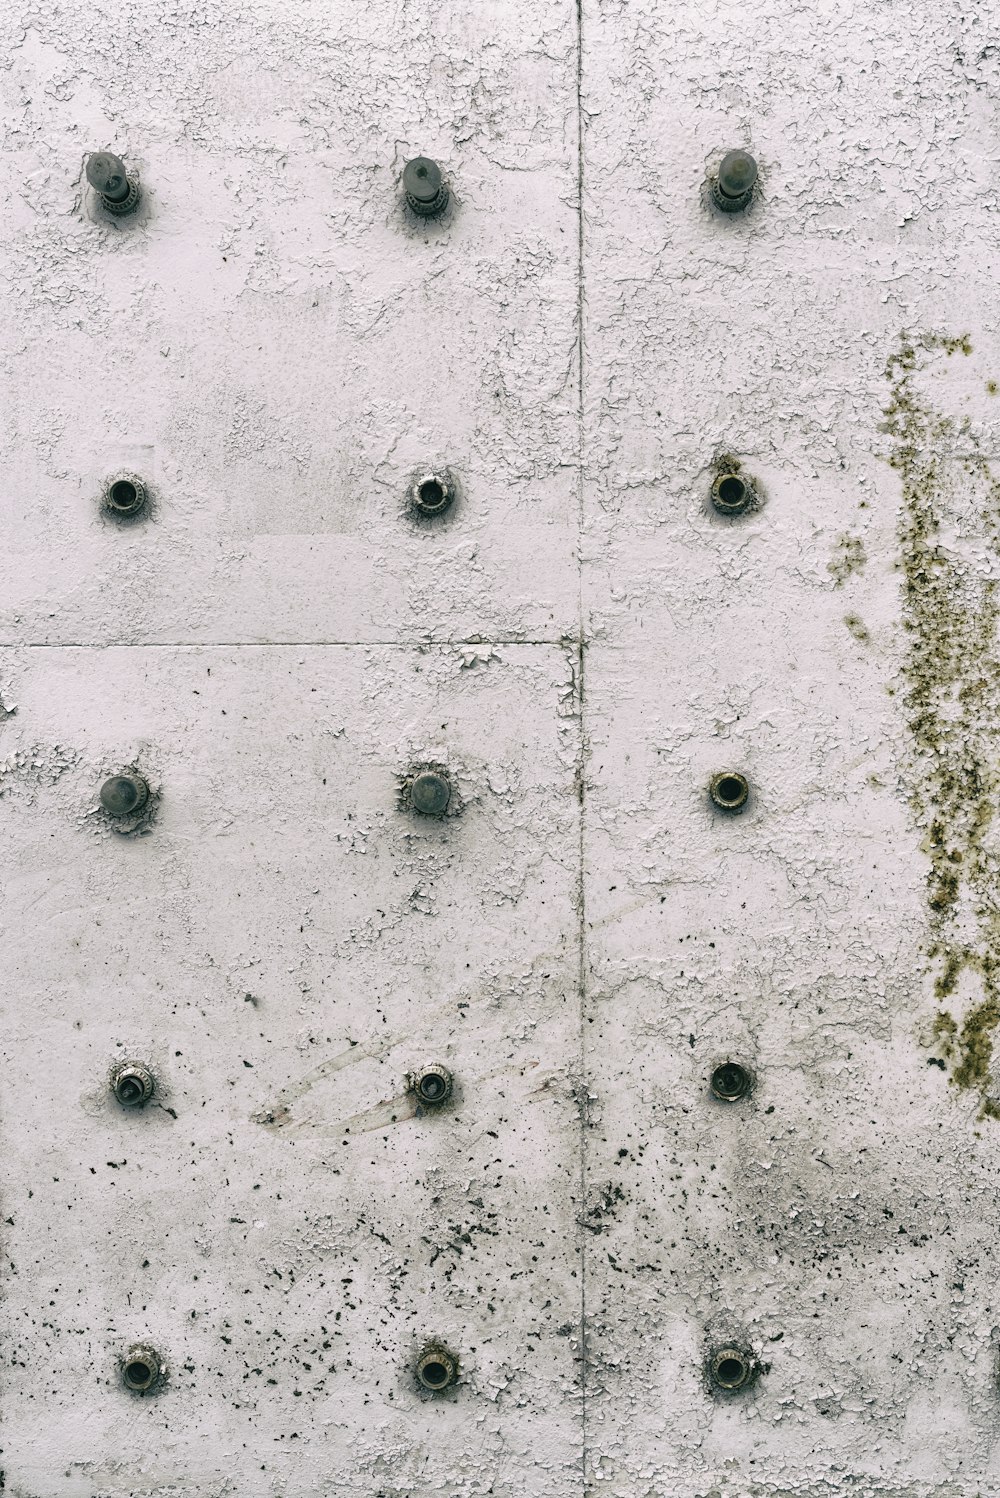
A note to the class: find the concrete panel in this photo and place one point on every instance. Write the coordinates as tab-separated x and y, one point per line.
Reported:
837	645
275	343
282	942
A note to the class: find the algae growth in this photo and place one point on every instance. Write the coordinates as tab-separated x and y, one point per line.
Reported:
949	537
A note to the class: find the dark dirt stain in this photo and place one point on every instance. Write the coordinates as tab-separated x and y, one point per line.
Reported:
949	528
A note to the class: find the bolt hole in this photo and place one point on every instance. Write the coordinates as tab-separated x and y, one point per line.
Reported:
731	1370
732	491
129	1091
435	1374
729	788
432	1087
730	1081
123	493
138	1374
432	493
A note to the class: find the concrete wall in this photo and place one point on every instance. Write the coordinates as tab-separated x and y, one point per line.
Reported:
276	345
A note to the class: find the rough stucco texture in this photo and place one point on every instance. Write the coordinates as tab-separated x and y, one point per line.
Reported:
276	346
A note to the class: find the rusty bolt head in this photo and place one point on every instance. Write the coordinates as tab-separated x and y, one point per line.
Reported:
124	794
107	174
436	1369
430	793
125	495
731	1081
731	494
733	186
425	187
132	1083
432	493
731	1368
432	1085
729	790
142	1369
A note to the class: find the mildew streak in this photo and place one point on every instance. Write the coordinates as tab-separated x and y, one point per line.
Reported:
951	699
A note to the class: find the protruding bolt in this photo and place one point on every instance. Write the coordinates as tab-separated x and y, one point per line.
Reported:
731	1368
731	494
432	493
430	793
436	1369
432	1085
125	495
124	794
106	173
142	1369
132	1083
733	187
731	1081
729	790
425	187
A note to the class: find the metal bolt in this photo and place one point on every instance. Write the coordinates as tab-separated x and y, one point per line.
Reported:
432	493
731	494
125	495
731	1081
730	1368
733	187
124	794
106	173
132	1083
142	1369
729	790
425	187
432	1085
436	1369
430	792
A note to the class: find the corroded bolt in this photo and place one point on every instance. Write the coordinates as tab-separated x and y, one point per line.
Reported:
125	495
732	187
730	1368
731	494
124	794
729	790
425	187
430	792
132	1083
731	1081
106	173
432	493
142	1369
436	1369
432	1085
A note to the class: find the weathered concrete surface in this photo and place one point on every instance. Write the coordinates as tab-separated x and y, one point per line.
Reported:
277	347
841	651
277	342
283	945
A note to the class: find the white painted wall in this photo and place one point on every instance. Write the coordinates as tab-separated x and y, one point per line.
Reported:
277	347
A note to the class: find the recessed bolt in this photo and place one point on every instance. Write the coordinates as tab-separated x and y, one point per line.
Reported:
125	495
142	1369
731	1081
432	1085
132	1083
124	794
107	174
732	187
425	187
430	792
731	494
731	1368
729	790
432	493
436	1369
